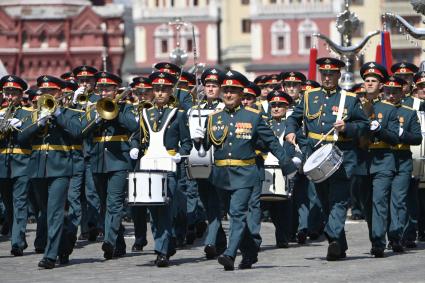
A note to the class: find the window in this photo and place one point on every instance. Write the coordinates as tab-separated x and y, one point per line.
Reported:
281	42
280	38
156	3
245	2
272	1
164	39
195	2
246	25
42	38
164	46
189	45
305	40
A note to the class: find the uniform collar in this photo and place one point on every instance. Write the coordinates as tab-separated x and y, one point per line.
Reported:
237	108
163	107
331	92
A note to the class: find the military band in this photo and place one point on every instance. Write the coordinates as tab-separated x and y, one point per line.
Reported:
69	145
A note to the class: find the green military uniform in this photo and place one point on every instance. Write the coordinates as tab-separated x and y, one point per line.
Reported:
410	135
318	111
177	139
52	163
14	158
381	165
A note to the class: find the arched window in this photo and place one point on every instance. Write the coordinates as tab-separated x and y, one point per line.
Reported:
305	39
163	41
186	39
281	38
42	38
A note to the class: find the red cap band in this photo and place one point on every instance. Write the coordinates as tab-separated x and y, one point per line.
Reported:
12	85
49	85
232	83
106	81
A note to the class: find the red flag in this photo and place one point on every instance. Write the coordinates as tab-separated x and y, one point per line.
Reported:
378	56
387	56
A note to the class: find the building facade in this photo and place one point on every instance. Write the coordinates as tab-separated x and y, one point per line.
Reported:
53	36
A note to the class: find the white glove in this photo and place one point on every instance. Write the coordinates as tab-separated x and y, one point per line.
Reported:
199	132
375	126
15	122
57	112
400	131
77	93
176	158
97	118
297	162
134	153
1	115
43	119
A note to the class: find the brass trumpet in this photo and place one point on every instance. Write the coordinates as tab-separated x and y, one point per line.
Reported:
145	104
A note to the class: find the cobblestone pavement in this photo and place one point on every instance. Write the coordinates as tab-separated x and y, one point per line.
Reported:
296	264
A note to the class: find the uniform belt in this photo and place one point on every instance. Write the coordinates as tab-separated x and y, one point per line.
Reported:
76	147
235	162
260	153
14	151
329	138
119	138
401	147
379	145
52	147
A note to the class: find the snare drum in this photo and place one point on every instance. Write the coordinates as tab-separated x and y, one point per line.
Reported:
323	163
274	188
147	187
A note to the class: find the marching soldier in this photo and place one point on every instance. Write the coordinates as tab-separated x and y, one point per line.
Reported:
309	84
292	83
142	88
91	218
409	134
14	158
420	85
271	83
250	93
320	111
109	156
384	130
51	160
73	219
234	132
259	81
215	241
359	179
406	71
177	142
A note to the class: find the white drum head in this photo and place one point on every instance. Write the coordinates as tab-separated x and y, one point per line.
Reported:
317	157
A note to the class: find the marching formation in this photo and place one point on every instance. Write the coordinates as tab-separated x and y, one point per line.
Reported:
187	150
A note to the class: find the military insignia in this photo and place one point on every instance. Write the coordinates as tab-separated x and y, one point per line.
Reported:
161	75
10	79
167	65
371	65
229	73
161	81
104	80
292	74
380	116
327	61
219	122
83	68
213	71
292	78
327	66
229	82
402	65
402	70
46	79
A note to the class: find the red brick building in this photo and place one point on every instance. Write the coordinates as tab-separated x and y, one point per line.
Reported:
53	36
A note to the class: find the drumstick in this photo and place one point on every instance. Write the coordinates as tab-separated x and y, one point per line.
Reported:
328	133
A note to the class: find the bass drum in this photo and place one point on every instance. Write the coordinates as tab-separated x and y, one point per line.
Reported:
274	184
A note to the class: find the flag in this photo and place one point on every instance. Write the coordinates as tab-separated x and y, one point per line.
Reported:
387	56
312	67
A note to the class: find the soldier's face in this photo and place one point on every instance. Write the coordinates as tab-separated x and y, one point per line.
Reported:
409	79
144	94
372	86
393	94
421	91
87	82
106	90
14	95
52	91
232	96
264	92
212	91
248	100
293	89
330	79
278	109
271	87
162	94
